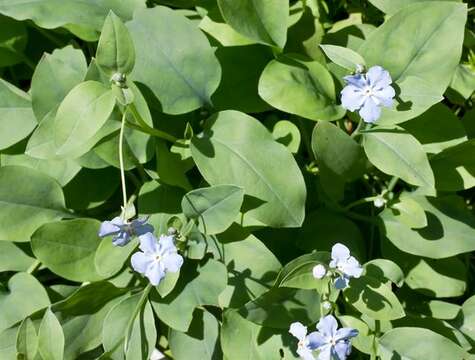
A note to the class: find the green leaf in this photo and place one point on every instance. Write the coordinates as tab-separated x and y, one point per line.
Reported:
13	258
201	341
288	134
165	68
65	68
143	336
301	88
411	343
86	15
235	138
8	343
398	153
386	269
279	307
251	267
413	52
68	248
343	56
260	20
409	212
107	265
13	40
215	207
17	120
468	312
115	51
50	337
463	81
364	341
337	151
29	199
390	7
372	297
449	231
197	286
27	340
81	115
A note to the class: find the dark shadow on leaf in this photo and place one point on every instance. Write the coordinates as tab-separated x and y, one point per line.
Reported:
434	229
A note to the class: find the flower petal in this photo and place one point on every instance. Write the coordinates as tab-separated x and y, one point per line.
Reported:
357	80
315	340
108	228
298	330
172	262
352	98
327	325
341	350
385	95
345	334
121	239
167	244
353	268
140	262
325	352
342	282
370	112
305	354
378	78
155	273
148	243
140	227
340	252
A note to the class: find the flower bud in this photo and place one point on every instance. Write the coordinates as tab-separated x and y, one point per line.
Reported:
319	271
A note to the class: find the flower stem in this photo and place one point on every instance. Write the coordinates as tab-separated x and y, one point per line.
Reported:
144	127
360	201
121	163
35	266
137	309
392	183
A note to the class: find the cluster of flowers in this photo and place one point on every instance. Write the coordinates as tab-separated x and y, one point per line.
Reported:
329	342
156	258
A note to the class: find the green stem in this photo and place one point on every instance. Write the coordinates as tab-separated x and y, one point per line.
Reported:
146	128
358	128
360	201
121	163
392	183
35	266
137	309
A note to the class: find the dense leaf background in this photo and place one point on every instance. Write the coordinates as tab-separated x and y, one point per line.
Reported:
235	136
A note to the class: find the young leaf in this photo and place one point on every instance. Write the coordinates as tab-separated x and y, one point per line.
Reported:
215	208
27	340
50	337
115	51
344	57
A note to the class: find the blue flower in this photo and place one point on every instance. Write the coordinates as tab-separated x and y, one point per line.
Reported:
307	343
157	257
124	231
332	343
346	265
368	92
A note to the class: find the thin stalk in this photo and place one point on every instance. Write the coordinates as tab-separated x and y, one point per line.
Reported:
360	201
392	183
35	266
121	162
358	128
146	128
137	309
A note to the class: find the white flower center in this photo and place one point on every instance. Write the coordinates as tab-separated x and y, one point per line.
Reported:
333	341
157	258
368	91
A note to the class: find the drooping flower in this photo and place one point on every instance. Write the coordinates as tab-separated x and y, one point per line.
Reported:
122	231
333	343
319	271
156	257
368	92
346	265
307	343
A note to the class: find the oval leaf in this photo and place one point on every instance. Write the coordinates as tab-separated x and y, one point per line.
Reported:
50	337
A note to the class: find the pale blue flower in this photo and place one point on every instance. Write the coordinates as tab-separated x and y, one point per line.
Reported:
156	257
332	343
122	231
346	265
368	93
307	343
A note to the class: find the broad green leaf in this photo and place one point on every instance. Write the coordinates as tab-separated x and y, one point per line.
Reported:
468	312
107	265
279	307
364	341
344	57
65	68
23	296
171	170
81	115
413	51
27	340
115	51
251	267
262	20
409	212
50	337
215	207
234	138
463	81
449	231
13	40
454	167
390	7
201	341
398	153
197	286
385	269
17	120
143	336
301	88
68	248
8	343
437	129
28	200
288	134
166	67
86	15
13	258
337	151
411	343
374	298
